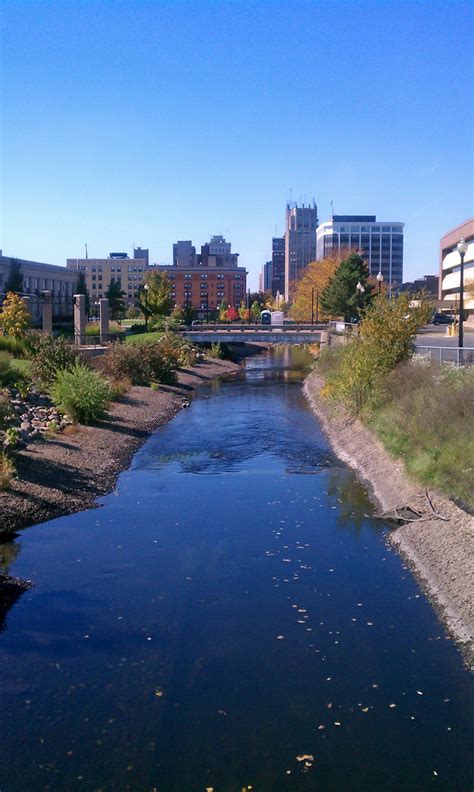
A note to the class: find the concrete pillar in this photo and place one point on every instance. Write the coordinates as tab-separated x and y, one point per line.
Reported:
47	313
104	320
324	339
79	301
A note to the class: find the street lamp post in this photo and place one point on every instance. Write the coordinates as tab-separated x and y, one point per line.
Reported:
462	249
248	306
317	307
146	306
360	291
380	280
312	307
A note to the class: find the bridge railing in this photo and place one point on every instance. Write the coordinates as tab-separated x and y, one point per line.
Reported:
246	328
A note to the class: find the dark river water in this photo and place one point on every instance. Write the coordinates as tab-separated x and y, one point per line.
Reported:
231	607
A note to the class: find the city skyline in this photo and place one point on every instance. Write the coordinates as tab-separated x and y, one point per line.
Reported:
146	123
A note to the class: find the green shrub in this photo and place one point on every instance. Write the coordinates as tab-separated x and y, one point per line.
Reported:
80	393
5	367
385	338
141	363
215	350
16	346
7	471
51	355
5	407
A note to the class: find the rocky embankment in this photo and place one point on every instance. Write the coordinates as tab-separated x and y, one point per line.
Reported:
438	546
66	472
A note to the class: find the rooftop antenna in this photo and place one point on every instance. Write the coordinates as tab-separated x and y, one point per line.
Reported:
87	256
291	196
332	209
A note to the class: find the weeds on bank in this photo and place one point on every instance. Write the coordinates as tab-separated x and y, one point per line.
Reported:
422	412
424	415
7	471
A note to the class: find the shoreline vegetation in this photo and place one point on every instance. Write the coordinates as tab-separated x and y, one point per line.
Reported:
68	472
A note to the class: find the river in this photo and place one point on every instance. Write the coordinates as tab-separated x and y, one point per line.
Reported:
231	608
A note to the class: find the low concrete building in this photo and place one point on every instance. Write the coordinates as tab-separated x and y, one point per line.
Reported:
39	277
450	267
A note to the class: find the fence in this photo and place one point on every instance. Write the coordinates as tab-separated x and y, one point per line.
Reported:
462	356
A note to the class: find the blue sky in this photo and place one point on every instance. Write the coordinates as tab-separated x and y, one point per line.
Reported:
147	122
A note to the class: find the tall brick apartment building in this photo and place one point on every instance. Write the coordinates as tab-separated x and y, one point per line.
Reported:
204	280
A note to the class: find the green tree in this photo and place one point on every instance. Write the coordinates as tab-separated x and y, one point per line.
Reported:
81	288
255	309
340	297
14	282
223	307
15	317
156	301
115	295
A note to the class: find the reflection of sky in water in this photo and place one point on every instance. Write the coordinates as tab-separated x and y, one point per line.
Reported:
206	630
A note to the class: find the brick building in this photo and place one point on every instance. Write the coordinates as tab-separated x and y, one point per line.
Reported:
213	276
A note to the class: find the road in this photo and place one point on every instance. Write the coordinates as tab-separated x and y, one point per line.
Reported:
436	336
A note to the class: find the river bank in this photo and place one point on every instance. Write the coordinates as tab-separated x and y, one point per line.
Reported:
440	553
66	474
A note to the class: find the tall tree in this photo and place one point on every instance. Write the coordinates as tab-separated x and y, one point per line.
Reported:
309	289
157	300
341	296
14	282
81	288
115	296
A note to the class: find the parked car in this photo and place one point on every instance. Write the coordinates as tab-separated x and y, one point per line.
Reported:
441	318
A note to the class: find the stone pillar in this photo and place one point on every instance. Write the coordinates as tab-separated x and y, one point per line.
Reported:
324	339
104	320
79	301
46	313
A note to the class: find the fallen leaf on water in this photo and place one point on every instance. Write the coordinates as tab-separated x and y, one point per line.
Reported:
392	705
280	637
305	758
365	709
337	723
420	692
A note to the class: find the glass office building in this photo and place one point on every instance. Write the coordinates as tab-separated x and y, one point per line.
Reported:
379	243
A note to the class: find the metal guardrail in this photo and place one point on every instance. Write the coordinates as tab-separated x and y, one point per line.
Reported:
462	356
245	328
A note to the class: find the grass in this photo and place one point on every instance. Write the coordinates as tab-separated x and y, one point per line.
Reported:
21	365
143	338
422	413
424	416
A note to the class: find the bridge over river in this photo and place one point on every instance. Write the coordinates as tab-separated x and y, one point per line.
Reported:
248	334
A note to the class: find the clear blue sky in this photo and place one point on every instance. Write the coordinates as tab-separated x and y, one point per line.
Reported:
147	122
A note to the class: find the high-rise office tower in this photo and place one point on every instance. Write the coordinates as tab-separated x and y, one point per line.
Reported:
267	277
300	243
379	243
184	254
278	261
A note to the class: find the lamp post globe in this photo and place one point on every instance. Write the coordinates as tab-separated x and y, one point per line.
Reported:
462	250
380	280
360	291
